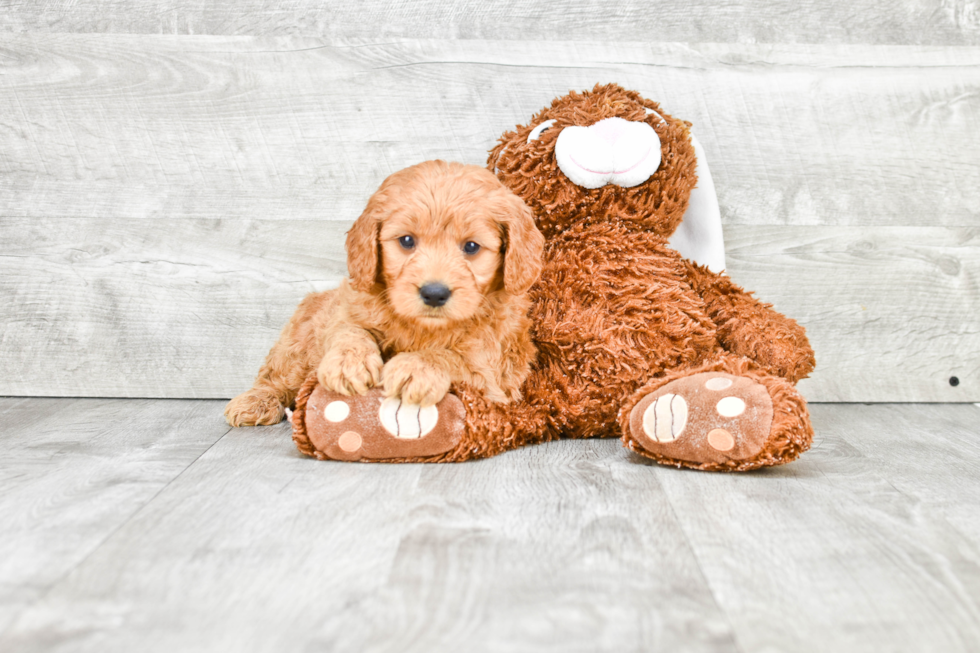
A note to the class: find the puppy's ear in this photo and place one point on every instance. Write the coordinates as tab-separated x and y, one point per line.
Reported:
362	248
523	244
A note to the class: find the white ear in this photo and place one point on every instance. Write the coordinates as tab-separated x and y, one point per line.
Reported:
699	236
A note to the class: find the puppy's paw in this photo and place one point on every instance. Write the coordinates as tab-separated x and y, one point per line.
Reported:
409	377
350	372
254	408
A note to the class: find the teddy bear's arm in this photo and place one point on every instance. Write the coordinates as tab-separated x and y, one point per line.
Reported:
751	328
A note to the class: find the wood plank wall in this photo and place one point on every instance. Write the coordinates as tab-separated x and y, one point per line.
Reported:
174	176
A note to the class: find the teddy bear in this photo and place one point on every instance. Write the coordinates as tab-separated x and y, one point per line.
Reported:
634	340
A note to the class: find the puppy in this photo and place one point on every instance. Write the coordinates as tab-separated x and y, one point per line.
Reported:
440	265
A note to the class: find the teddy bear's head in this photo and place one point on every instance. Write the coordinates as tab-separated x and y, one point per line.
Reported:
602	154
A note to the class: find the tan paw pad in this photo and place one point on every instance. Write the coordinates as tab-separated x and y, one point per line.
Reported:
336	411
407	421
665	419
730	407
721	439
350	441
718	383
710	417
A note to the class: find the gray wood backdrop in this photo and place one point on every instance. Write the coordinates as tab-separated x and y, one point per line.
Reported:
175	175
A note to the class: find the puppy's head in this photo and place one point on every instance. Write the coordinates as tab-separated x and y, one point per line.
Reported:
438	238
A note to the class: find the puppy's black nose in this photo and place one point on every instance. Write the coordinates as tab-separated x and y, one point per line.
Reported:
435	294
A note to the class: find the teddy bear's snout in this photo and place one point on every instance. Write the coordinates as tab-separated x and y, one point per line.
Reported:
612	151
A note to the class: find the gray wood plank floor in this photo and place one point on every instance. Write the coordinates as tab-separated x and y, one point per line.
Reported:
150	525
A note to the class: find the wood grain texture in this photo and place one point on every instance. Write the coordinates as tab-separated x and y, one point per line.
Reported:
834	553
258	549
893	313
189	308
245	554
74	471
166	201
126	126
746	21
168	308
562	547
931	454
864	544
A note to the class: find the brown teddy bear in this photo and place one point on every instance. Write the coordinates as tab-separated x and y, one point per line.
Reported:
634	340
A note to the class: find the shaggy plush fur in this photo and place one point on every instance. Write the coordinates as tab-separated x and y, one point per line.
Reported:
617	313
421	226
531	169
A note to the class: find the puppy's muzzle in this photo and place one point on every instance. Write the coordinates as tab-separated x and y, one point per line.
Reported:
435	294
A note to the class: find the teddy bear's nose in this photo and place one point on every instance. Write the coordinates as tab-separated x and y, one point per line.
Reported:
611	129
611	151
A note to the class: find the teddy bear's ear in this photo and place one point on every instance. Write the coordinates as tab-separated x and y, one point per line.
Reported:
699	236
523	245
363	250
495	154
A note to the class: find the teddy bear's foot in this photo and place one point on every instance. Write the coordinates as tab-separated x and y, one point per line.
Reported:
719	421
371	427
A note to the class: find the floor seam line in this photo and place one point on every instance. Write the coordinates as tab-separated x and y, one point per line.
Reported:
103	541
697	562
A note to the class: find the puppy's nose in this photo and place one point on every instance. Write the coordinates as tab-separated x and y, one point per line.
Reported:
435	294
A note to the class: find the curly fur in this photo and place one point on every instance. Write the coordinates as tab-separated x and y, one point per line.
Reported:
617	313
375	329
531	169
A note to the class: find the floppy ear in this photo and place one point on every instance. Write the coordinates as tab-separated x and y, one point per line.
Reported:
523	245
363	250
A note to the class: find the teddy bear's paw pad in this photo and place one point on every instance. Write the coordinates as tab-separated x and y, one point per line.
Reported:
711	417
373	427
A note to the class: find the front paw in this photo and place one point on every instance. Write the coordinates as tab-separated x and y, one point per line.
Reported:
414	380
350	372
254	408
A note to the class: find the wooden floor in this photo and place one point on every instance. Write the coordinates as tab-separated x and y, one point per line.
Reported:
149	525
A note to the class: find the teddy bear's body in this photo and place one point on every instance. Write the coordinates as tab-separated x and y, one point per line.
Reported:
614	308
634	341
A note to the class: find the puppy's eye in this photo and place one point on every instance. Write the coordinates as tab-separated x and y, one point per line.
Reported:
540	129
471	248
407	242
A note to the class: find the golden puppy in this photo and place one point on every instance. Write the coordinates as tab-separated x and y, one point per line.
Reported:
440	265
